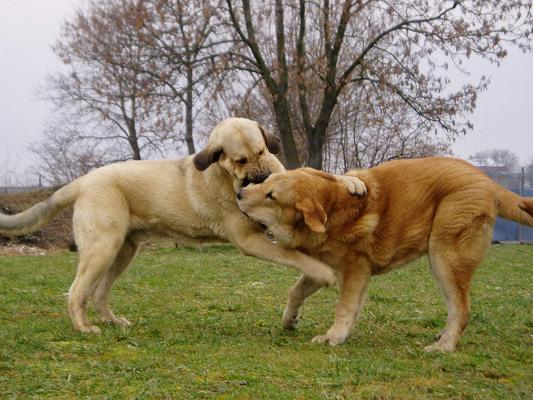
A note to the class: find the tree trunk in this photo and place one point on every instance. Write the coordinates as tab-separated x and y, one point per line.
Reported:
316	149
132	139
189	110
283	120
136	152
317	135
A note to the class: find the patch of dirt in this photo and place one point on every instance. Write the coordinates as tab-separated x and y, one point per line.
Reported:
14	249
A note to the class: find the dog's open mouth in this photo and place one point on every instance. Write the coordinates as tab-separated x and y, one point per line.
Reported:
263	226
268	234
245	182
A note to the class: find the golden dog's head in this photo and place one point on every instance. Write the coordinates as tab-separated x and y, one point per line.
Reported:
302	207
297	205
242	148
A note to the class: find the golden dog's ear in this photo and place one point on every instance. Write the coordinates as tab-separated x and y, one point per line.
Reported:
206	157
315	216
272	142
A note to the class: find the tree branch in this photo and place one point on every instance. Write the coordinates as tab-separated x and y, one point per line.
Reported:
344	78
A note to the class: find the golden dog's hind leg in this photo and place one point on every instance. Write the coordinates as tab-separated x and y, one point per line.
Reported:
454	255
101	291
304	287
354	285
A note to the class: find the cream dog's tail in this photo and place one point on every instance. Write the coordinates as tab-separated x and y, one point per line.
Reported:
40	214
514	207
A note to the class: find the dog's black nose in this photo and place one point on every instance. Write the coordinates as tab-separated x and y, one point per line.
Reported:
260	178
239	195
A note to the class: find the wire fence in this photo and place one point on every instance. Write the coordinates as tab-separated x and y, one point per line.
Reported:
520	183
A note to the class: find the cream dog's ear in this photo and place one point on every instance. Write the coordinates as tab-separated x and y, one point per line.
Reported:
206	157
272	142
315	216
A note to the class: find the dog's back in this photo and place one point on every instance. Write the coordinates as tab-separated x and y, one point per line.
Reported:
420	185
406	195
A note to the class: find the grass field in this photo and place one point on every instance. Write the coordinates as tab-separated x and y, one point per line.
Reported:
207	325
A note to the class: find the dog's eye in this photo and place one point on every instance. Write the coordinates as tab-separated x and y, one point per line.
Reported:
270	195
261	152
242	161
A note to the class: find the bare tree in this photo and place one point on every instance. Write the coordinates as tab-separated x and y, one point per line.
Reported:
64	153
186	43
348	83
529	167
10	174
104	85
528	178
360	136
507	160
364	131
315	51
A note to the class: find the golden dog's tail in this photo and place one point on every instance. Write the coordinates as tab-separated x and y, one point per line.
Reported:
514	207
40	214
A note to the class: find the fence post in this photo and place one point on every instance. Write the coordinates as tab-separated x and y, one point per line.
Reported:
521	193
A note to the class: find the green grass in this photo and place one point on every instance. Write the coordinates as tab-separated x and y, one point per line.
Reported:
207	326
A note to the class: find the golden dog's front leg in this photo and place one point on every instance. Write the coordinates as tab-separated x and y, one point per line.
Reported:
354	284
304	287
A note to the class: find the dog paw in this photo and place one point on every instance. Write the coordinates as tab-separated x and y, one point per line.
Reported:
118	321
354	185
290	320
328	278
330	338
445	347
122	321
89	329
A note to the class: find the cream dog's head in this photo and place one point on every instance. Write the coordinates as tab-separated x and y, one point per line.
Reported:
242	148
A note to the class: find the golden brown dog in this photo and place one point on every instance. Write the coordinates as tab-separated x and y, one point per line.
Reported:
118	206
440	206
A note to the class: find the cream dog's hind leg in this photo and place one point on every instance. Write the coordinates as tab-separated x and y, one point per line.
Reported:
100	232
100	295
94	263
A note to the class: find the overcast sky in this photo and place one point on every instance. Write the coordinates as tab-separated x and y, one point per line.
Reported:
28	28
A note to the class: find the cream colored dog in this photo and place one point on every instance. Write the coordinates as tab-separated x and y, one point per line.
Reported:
117	206
440	206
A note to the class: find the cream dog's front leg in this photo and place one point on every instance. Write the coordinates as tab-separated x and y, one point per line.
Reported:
354	185
255	243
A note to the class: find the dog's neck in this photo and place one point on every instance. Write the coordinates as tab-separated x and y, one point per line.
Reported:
350	219
222	178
